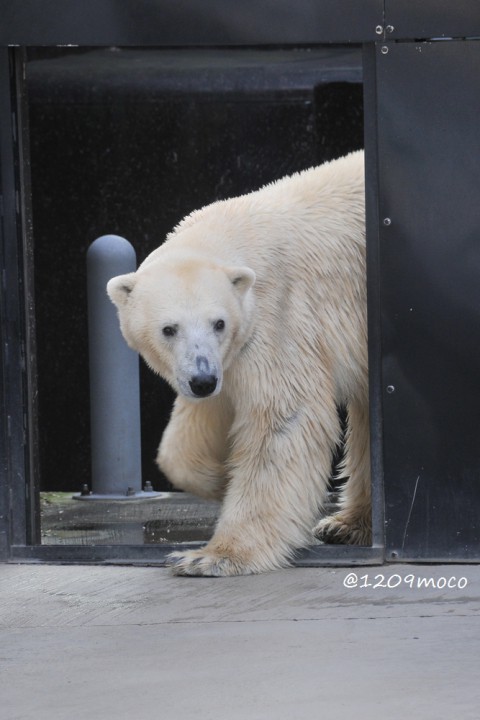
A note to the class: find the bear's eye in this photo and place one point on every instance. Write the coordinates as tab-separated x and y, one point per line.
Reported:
169	330
219	325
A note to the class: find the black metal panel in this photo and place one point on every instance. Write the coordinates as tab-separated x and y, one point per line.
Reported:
228	22
8	395
18	499
432	19
188	22
429	212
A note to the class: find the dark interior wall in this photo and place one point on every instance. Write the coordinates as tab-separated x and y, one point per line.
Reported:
128	142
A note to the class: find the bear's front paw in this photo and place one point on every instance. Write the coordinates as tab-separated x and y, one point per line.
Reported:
344	529
207	563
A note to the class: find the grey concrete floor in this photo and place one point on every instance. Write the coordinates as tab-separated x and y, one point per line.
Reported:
133	643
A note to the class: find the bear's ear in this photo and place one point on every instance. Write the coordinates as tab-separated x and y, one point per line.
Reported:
241	277
120	287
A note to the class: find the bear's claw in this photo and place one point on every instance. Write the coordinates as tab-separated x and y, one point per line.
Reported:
339	530
201	563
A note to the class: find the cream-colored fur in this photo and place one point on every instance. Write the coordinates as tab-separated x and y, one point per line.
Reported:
284	270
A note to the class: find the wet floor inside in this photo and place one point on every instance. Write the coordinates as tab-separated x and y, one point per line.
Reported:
166	518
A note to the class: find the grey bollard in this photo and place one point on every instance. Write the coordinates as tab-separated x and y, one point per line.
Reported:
114	380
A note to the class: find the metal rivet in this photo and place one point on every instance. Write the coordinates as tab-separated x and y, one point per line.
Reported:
387	221
379	29
394	554
384	50
390	28
390	389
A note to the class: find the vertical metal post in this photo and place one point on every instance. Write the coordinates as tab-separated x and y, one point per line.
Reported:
374	317
114	380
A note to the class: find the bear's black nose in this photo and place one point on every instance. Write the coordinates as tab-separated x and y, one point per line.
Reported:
203	384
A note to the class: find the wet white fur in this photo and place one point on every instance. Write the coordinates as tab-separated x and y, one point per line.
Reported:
285	268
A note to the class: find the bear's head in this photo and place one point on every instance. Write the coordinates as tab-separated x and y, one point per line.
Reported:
187	316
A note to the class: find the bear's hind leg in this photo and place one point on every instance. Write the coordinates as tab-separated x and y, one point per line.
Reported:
194	447
352	524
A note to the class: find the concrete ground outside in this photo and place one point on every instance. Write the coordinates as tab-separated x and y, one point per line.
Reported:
134	643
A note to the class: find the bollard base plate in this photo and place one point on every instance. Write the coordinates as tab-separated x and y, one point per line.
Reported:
140	495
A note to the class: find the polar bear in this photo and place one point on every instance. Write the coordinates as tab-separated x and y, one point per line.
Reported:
254	310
